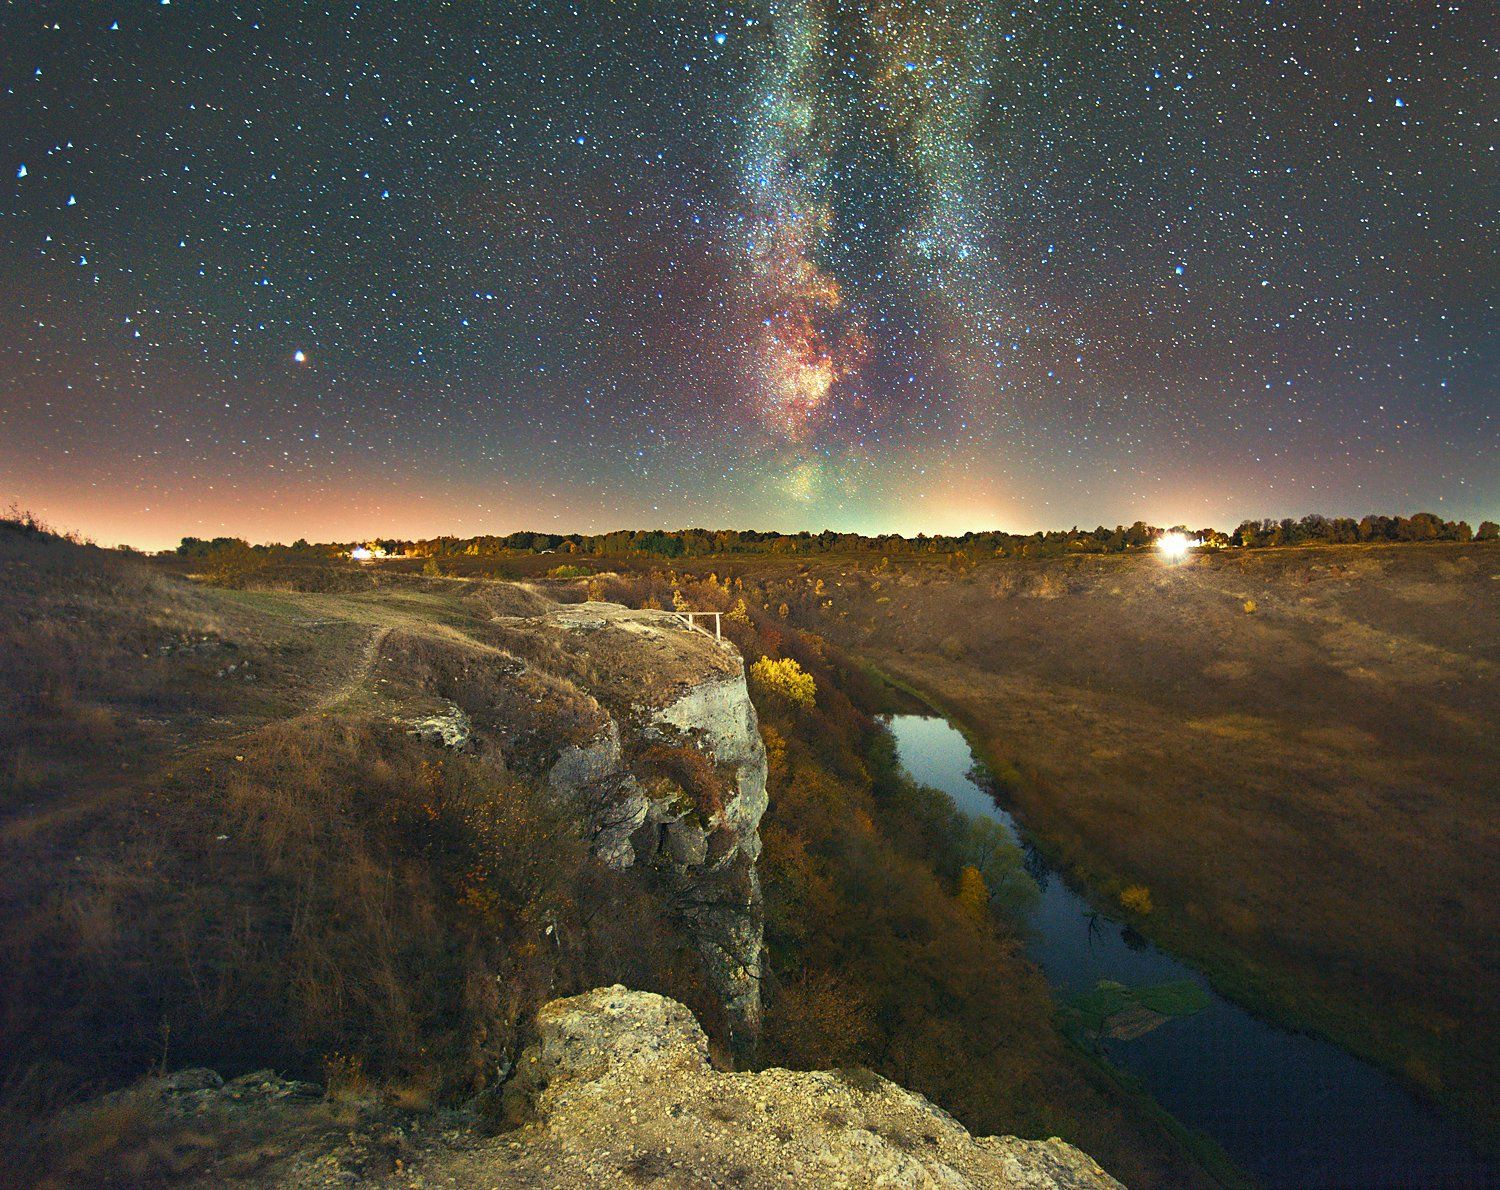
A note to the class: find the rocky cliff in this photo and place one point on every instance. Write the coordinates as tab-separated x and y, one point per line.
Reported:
619	1091
647	728
666	695
616	1090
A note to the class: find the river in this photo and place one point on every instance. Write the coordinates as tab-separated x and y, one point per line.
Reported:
1290	1109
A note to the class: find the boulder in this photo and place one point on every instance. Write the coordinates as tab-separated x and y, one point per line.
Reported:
618	1090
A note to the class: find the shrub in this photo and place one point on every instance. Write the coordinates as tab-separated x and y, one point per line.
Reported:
234	564
328	899
1136	898
785	679
688	769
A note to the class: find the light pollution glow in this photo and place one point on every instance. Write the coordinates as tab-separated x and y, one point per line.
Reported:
867	265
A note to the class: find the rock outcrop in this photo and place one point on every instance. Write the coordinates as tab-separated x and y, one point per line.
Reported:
616	1091
619	1091
447	728
638	723
658	690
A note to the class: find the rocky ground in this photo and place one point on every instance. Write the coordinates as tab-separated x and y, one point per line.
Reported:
617	1090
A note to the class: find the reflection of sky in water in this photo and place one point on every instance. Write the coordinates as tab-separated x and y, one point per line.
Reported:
1293	1110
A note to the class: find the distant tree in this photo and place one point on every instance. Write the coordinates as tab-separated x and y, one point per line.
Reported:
1139	534
1422	526
973	896
1343	530
1487	531
1245	533
232	563
1313	527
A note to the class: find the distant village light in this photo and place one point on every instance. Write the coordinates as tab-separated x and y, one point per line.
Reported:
1174	545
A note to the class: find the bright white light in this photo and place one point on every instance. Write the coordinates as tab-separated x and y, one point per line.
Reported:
1174	545
300	356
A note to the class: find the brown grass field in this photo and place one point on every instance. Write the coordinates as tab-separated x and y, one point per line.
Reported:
1294	750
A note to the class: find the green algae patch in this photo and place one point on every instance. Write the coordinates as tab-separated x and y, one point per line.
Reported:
1114	1010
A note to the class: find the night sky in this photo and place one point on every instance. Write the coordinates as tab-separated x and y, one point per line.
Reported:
290	270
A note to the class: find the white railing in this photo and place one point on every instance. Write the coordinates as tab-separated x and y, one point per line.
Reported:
690	619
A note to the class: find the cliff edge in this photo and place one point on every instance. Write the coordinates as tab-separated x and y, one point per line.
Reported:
615	1091
639	724
619	1091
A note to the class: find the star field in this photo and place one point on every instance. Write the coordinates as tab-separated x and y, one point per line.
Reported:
288	270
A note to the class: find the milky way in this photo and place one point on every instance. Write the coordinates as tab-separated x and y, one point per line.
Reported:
288	270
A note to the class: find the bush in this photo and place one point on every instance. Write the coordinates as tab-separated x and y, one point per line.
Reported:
973	896
688	769
785	679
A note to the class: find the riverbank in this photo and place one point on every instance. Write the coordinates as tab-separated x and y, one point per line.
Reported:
1291	1109
1407	1054
1287	749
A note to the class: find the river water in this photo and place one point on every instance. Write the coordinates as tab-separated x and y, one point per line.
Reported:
1290	1109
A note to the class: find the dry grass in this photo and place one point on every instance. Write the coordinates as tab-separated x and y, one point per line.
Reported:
1307	792
325	888
204	868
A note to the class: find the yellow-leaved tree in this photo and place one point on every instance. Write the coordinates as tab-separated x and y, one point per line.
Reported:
973	896
1137	898
785	679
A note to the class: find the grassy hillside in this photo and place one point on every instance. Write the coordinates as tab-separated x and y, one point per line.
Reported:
1294	750
223	848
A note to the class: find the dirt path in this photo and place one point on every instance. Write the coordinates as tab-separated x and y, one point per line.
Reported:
92	796
358	676
194	742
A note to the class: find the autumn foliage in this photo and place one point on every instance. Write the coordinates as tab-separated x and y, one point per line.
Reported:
785	679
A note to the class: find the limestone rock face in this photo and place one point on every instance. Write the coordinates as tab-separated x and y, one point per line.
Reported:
619	1091
643	727
615	1091
657	683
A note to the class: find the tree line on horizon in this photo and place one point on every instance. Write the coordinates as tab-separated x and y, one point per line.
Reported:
1313	529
